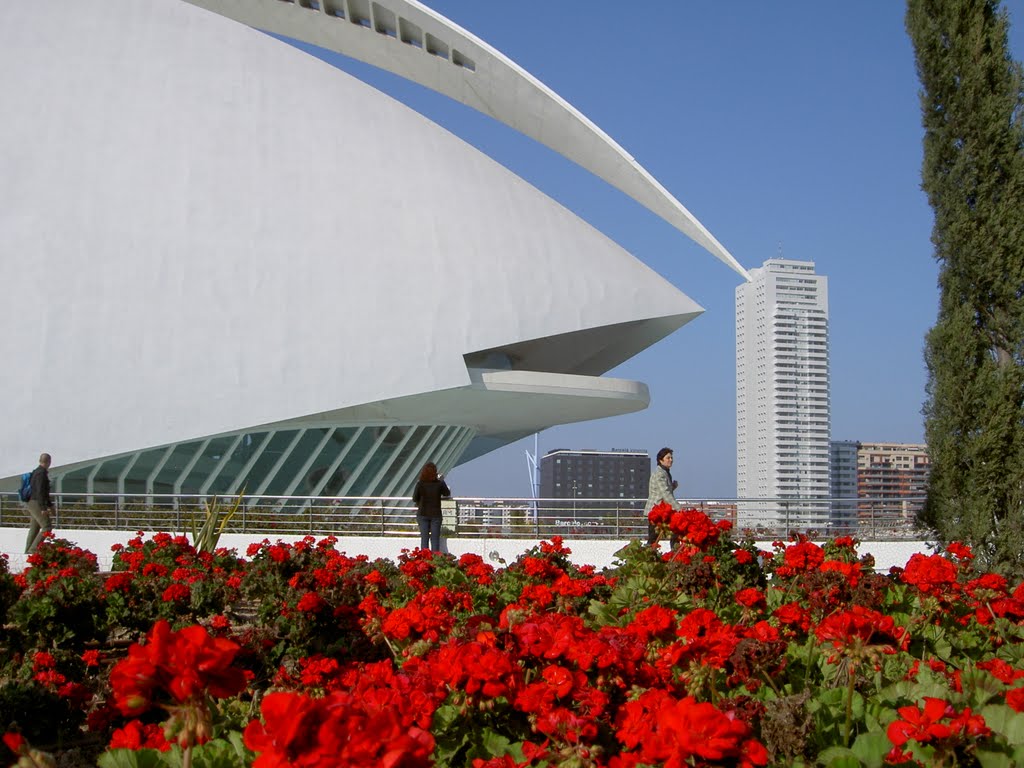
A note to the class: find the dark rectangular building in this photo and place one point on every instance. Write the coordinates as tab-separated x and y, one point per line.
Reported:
590	474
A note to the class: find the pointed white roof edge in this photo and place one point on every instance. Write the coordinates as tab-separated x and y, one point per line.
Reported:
415	42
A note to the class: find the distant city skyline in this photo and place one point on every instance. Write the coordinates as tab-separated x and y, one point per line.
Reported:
789	130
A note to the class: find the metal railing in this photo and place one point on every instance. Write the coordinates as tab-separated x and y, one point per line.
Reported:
868	519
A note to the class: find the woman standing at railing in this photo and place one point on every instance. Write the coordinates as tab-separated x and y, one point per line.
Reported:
430	489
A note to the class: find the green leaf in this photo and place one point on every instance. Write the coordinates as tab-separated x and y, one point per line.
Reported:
495	743
1004	721
444	716
127	758
858	706
838	757
218	753
994	759
871	748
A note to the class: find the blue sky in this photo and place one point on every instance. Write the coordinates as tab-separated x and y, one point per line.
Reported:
789	127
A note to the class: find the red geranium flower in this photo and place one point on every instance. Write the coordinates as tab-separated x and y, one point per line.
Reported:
15	742
750	598
932	574
184	665
936	721
136	735
176	593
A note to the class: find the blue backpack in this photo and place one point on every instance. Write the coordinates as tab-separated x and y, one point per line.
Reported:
25	491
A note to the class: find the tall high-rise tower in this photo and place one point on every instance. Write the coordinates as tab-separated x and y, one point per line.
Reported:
782	390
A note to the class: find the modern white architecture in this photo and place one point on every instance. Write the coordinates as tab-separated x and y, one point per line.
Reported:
238	268
782	389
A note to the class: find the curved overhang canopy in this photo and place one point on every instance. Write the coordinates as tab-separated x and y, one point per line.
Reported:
414	42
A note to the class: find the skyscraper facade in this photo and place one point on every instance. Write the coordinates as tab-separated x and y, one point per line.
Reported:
782	392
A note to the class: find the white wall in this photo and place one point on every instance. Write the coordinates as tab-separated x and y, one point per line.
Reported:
584	551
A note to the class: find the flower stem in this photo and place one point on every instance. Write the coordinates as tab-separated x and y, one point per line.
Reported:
850	686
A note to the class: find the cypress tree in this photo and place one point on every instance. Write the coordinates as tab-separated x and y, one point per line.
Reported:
973	175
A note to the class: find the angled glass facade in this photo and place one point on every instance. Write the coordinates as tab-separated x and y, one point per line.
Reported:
343	460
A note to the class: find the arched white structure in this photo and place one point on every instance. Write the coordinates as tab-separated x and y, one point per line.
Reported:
411	40
228	261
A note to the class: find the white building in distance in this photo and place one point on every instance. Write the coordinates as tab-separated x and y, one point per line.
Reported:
782	393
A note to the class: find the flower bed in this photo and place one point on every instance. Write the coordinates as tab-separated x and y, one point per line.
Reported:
715	654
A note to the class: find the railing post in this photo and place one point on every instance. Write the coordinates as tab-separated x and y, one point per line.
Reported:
382	517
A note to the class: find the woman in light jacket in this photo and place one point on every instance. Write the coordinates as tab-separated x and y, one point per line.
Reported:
661	489
430	489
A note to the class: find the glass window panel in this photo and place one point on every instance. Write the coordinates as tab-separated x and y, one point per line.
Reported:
135	481
340	438
108	474
352	459
246	448
207	463
180	458
392	436
399	464
268	458
74	481
296	460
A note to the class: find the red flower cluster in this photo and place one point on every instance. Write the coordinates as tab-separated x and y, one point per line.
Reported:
671	663
478	670
184	665
340	729
658	729
860	631
693	529
801	557
473	565
430	615
936	722
137	735
932	574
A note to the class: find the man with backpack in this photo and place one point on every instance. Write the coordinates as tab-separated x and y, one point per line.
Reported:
39	504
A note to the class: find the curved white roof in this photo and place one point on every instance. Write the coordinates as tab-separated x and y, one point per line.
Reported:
411	40
201	243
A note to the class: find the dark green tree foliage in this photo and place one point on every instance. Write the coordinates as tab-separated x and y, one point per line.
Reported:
973	174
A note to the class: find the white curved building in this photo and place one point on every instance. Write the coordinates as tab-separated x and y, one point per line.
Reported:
230	266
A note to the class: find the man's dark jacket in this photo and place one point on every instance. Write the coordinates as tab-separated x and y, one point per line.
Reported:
40	485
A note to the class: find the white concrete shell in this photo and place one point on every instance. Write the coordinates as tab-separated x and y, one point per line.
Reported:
411	40
204	230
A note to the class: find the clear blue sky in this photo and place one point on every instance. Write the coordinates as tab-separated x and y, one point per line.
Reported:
787	127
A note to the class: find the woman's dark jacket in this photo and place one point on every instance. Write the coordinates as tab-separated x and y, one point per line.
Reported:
427	497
